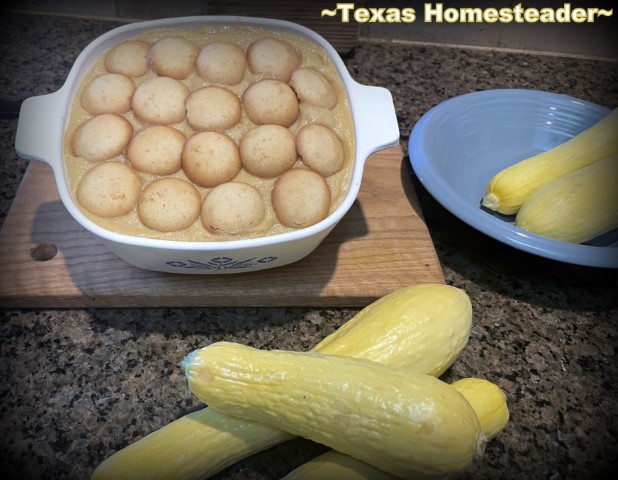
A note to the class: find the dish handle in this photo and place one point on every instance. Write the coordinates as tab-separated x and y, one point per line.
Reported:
39	128
377	127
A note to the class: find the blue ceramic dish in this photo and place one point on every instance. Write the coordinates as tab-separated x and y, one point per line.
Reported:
458	146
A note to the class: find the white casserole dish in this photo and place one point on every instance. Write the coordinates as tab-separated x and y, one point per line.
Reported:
43	119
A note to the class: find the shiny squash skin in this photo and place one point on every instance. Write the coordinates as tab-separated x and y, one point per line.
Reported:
509	188
577	207
421	327
409	424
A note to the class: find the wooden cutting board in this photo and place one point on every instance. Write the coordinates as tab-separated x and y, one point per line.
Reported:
382	244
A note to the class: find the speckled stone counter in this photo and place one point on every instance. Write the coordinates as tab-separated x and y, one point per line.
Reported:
77	385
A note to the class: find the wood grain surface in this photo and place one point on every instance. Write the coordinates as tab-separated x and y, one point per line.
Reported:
381	244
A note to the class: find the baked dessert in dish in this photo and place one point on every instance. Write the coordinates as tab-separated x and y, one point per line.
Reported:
220	132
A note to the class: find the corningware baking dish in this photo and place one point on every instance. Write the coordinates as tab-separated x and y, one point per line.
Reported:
43	119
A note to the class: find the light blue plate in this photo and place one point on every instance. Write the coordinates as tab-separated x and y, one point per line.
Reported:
458	146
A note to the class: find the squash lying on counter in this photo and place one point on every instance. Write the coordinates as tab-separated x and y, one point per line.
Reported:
509	188
576	207
486	399
409	424
422	328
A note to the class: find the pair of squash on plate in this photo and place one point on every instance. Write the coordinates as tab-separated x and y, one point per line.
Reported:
568	193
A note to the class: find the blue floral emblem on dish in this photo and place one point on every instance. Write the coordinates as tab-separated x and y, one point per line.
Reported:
220	263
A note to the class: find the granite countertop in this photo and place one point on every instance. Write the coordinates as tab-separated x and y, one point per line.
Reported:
77	385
